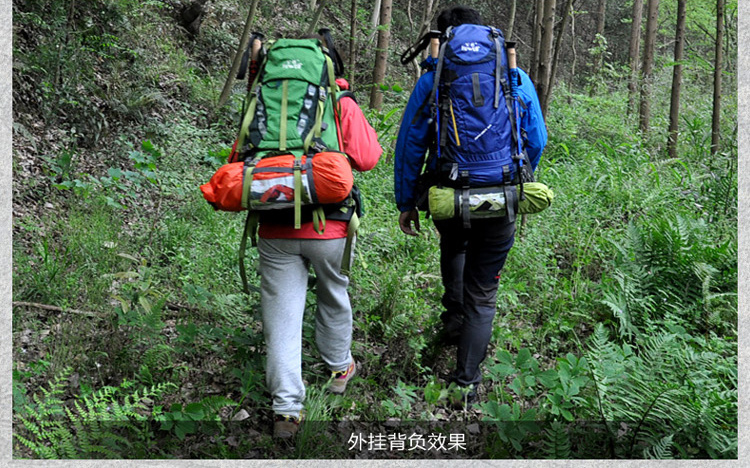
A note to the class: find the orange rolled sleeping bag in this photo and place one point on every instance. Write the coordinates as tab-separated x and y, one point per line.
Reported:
331	171
224	190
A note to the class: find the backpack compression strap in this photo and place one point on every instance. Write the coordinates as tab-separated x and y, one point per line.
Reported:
251	229
351	232
511	93
433	94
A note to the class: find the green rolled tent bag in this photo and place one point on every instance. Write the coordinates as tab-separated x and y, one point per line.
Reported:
486	202
538	197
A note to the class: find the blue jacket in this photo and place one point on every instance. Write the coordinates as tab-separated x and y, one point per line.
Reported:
416	137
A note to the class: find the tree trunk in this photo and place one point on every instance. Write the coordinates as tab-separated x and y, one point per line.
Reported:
600	16
635	45
536	40
381	54
545	54
352	41
573	44
648	64
674	108
716	119
238	55
375	19
511	21
316	17
558	42
57	80
430	8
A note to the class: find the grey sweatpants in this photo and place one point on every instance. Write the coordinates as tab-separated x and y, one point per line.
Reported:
284	265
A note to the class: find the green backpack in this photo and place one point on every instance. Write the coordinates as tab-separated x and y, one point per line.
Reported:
291	102
291	108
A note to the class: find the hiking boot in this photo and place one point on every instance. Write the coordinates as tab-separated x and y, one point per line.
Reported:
341	378
463	397
449	335
286	425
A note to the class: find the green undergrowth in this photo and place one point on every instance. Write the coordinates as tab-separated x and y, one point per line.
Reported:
616	331
616	308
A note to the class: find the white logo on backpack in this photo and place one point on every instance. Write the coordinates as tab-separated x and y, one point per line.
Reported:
292	64
470	47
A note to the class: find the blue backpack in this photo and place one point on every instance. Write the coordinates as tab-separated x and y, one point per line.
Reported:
472	103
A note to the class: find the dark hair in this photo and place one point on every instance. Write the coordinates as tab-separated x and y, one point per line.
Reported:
458	15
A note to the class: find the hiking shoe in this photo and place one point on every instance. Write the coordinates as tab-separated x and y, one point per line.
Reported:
463	397
341	378
286	425
450	333
449	336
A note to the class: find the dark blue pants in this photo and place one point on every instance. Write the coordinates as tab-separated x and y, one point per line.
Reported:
470	263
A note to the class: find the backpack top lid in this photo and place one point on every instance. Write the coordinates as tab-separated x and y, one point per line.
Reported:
472	44
298	59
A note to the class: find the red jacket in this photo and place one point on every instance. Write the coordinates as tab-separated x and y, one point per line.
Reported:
362	147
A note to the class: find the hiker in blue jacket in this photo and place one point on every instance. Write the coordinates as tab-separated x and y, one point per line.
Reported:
470	259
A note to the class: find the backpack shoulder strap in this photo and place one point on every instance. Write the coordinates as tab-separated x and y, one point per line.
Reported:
346	93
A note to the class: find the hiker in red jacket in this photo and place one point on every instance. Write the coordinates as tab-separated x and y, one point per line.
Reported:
285	257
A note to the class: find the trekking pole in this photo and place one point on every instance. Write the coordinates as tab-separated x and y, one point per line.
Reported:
431	39
254	66
514	83
514	79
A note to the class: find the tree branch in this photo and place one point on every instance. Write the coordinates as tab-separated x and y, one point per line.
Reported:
56	309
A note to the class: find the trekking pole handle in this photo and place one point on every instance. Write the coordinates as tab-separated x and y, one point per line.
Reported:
434	43
257	44
434	47
511	48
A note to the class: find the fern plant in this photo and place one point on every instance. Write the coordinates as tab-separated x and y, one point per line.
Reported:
660	394
557	444
113	422
675	266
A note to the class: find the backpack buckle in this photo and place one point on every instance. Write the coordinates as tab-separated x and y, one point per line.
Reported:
453	175
317	147
465	179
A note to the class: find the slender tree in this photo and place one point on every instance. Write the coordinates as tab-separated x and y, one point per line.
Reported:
430	9
574	62
648	64
545	54
601	14
352	41
635	45
558	41
536	40
316	16
381	54
60	49
375	19
238	55
511	20
674	108
718	59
